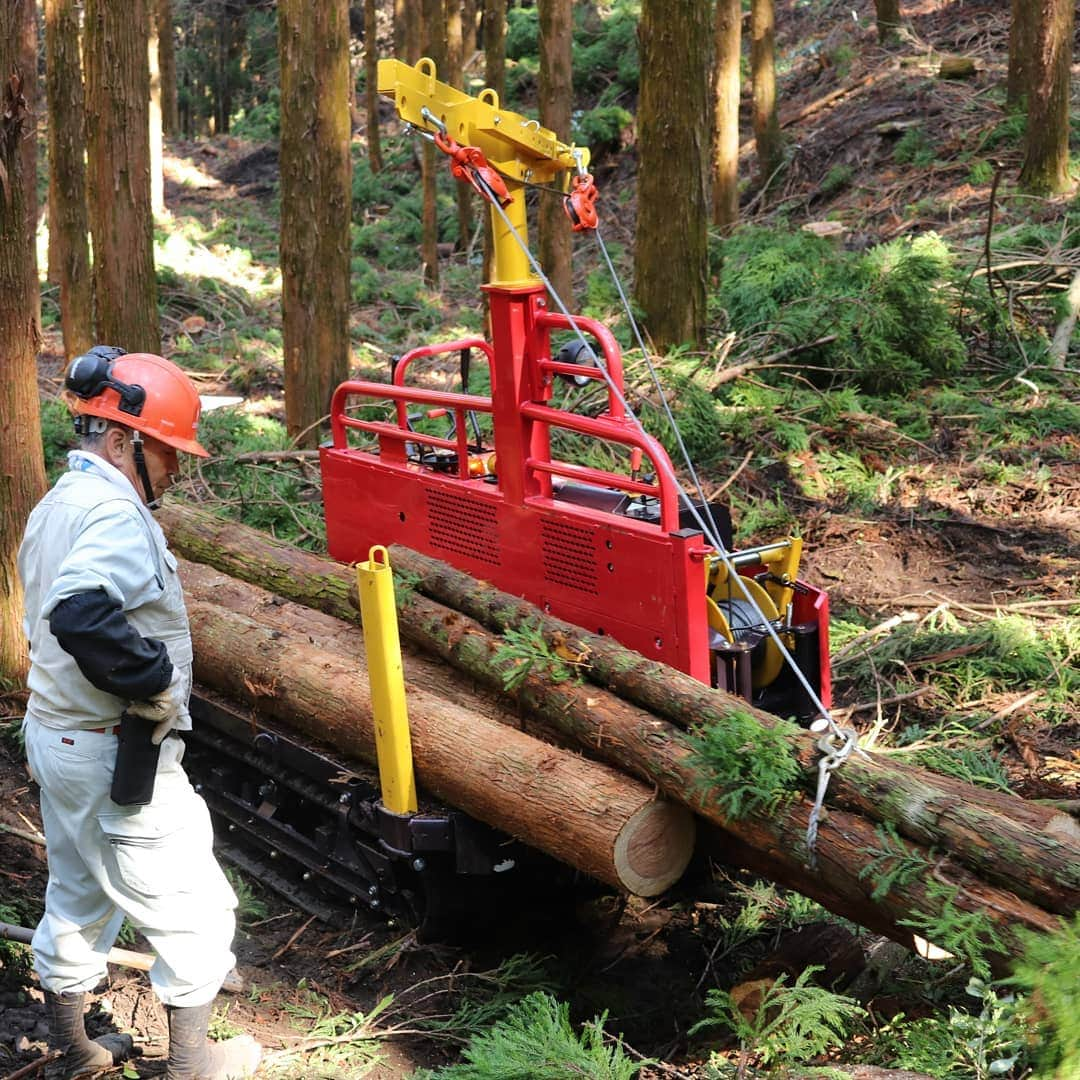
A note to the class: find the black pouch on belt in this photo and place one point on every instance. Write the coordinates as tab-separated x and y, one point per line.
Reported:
136	763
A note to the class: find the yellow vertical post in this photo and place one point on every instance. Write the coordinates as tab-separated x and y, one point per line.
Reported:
393	746
511	265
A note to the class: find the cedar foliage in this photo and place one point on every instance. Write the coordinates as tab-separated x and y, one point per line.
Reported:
537	1040
887	307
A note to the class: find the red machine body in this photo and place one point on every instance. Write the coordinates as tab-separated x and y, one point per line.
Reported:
541	528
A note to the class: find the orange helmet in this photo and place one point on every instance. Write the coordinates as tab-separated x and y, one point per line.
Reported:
139	390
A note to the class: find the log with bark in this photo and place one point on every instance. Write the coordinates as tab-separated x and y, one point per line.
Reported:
1019	883
586	814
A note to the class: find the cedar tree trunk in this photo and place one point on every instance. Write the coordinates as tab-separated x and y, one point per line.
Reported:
316	179
29	67
170	114
118	156
888	20
1046	143
455	58
674	123
371	87
763	73
435	49
22	467
556	101
69	225
157	170
494	28
726	136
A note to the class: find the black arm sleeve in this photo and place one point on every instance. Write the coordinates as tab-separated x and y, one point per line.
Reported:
110	652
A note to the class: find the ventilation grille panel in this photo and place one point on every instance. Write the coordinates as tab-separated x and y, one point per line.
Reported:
569	556
467	528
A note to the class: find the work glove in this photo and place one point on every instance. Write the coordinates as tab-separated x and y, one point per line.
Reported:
164	709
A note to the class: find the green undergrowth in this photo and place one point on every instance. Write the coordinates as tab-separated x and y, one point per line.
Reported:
966	663
536	1039
282	498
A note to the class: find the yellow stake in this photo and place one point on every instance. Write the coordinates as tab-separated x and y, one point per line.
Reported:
393	746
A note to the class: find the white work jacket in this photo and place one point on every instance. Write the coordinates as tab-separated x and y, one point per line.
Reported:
92	531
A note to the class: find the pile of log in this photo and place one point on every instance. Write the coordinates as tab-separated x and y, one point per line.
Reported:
573	766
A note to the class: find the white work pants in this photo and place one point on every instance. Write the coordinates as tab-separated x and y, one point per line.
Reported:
153	863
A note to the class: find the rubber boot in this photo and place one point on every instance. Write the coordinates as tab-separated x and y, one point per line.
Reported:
193	1057
82	1056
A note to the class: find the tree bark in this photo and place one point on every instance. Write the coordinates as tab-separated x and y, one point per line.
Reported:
888	21
316	194
556	97
455	74
468	30
435	49
157	161
1016	860
1046	143
674	121
118	156
763	73
1021	46
69	225
22	466
170	113
28	63
494	30
728	48
581	812
371	86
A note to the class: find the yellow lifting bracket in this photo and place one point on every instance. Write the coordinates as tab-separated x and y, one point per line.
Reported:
519	149
393	745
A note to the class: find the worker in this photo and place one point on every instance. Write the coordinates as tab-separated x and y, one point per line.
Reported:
110	665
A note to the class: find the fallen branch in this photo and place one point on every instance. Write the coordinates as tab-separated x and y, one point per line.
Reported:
233	984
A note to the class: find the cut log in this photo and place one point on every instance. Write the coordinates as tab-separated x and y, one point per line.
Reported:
585	814
641	743
1025	848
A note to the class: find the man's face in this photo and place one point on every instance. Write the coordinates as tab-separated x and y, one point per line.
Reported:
161	461
161	464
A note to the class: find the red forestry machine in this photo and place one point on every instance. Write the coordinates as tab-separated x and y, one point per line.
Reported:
473	478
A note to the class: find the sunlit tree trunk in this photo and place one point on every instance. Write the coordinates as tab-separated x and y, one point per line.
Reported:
556	94
412	40
763	72
468	29
400	28
434	48
674	122
495	78
69	226
371	89
455	53
1046	143
1021	46
28	37
728	48
316	182
157	170
22	468
118	174
170	116
888	20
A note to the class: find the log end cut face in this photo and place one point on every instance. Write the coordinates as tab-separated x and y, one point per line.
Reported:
654	847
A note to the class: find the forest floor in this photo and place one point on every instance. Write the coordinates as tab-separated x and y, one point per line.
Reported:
968	534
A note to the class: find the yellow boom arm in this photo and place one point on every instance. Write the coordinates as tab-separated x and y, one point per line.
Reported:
520	149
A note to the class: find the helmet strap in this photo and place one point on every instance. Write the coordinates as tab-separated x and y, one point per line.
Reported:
140	468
